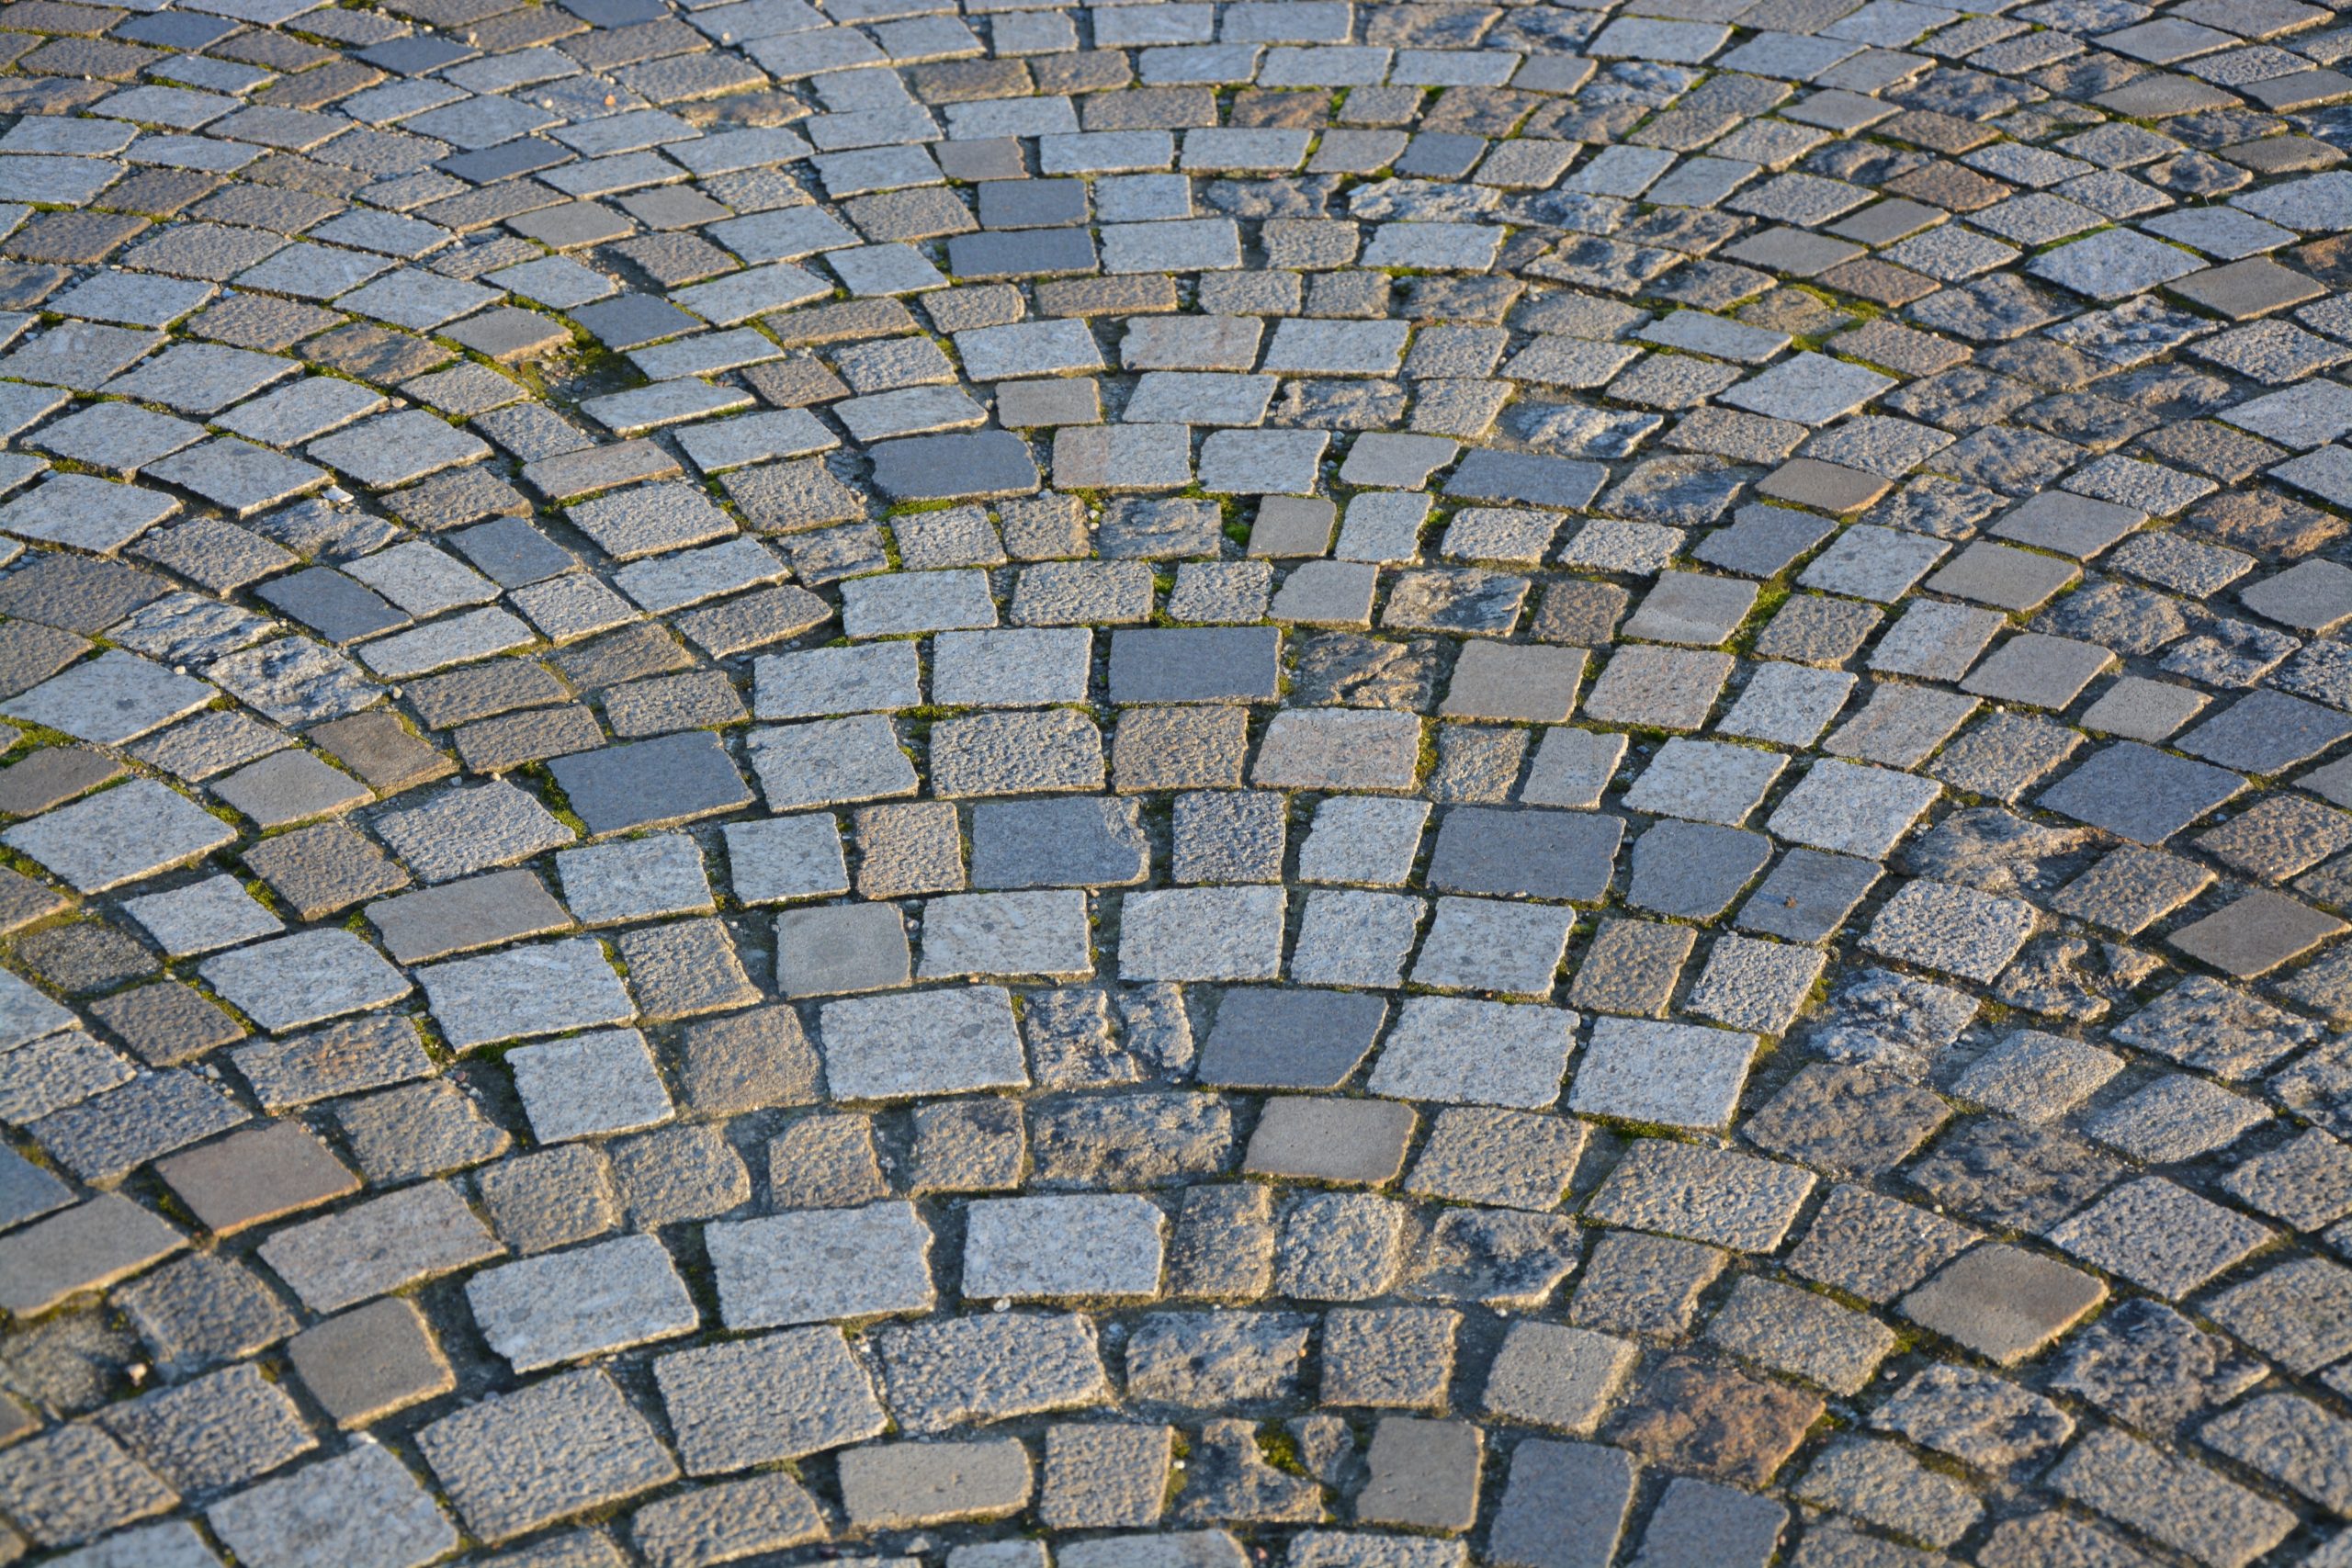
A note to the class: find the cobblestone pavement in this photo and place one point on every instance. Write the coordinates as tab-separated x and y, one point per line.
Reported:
1175	785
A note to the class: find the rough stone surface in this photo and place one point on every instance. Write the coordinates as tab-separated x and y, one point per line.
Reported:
1161	786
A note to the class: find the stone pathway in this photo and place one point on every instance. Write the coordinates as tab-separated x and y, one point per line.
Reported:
1175	785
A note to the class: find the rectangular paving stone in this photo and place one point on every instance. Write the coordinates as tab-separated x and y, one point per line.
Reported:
1005	935
1088	1248
821	1265
120	836
646	784
1673	1075
2177	1501
523	991
86	1247
1340	750
377	1246
1240	664
458	917
304	978
569	1306
906	1485
1297	1039
779	1396
1714	1196
921	1044
557	1448
1460	1051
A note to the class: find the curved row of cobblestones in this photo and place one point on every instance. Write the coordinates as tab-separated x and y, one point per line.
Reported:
1175	785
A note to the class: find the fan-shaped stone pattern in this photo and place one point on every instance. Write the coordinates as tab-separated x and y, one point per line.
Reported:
1354	784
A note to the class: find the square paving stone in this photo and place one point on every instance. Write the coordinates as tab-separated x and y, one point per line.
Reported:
2071	524
1797	1332
1706	780
589	1085
978	466
1852	810
1659	688
650	520
1227	836
1105	1475
831	950
1849	1121
778	859
2180	1503
824	681
1631	967
1011	668
371	1363
2006	579
1573	768
1956	929
1053	749
1693	870
1424	1474
1075	842
364	1509
757	1401
1363	839
1564	1497
1551	1375
2138	709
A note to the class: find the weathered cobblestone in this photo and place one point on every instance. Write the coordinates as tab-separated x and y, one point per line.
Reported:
1329	782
